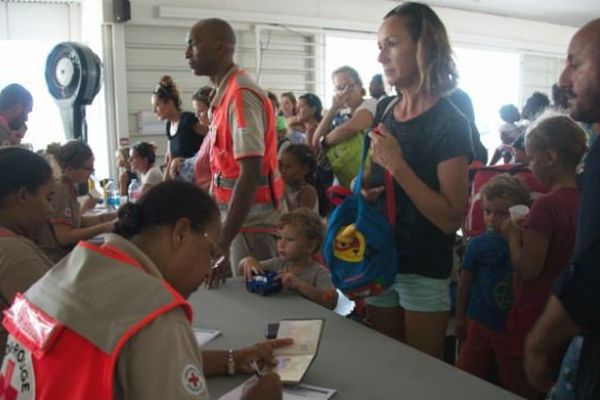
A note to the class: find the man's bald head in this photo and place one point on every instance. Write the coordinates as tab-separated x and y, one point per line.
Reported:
211	43
581	76
590	35
215	30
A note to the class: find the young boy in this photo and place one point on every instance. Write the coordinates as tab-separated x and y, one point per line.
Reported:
300	237
485	289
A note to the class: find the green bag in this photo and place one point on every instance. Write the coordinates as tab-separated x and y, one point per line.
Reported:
280	124
344	158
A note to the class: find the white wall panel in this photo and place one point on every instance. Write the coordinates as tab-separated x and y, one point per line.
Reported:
39	21
539	73
287	59
3	21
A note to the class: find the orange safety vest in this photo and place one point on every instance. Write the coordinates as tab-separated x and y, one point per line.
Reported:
224	167
46	360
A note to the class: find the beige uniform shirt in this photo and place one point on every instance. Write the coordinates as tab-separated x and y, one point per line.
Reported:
101	297
22	263
163	360
66	211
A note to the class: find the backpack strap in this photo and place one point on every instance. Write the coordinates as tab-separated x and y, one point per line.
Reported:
390	198
387	103
390	195
361	171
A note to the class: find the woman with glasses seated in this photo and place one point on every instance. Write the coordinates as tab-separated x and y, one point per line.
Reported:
116	316
68	224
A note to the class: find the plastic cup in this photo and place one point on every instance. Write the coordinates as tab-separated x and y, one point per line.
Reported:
518	212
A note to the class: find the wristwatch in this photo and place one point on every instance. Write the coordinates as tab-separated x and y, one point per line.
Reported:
230	363
322	141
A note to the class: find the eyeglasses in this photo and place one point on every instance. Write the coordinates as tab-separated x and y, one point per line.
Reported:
217	258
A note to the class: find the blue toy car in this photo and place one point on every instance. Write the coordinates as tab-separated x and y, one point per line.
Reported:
264	284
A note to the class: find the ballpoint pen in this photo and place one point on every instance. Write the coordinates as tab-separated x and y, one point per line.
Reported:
254	366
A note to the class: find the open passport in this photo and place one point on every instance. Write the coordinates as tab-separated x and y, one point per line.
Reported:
293	361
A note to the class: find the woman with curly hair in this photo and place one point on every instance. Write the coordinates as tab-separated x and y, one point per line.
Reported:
184	131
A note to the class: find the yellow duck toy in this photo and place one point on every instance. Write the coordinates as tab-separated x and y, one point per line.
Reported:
349	244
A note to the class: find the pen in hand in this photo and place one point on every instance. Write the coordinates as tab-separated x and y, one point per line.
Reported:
254	366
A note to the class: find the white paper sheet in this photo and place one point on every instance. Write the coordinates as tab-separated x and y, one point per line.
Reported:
203	336
299	392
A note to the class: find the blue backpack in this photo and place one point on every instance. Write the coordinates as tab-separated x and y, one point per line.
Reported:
360	247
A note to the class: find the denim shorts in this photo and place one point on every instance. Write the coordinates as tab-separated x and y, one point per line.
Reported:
414	293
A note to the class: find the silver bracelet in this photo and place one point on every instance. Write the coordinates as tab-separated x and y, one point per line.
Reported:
230	363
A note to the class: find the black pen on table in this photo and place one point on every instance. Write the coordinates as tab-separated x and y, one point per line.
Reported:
254	366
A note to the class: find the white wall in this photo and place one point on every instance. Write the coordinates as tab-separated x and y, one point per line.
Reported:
38	21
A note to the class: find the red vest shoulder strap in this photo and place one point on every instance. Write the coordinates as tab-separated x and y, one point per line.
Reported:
6	233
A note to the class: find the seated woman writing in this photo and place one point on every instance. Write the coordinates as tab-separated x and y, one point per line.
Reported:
132	344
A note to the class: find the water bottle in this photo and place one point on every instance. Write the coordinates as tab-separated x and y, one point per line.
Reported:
134	191
112	195
93	192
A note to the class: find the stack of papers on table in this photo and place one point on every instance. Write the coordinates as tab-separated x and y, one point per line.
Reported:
299	392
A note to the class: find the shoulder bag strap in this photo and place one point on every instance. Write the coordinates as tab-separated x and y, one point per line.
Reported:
390	197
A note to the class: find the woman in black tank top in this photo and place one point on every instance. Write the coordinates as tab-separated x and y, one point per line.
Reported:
184	131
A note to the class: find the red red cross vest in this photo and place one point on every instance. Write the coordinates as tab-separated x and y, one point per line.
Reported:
48	360
224	167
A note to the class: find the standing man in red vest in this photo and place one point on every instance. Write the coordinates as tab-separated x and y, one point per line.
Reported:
243	155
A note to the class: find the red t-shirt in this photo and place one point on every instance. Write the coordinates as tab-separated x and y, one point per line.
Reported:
553	215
